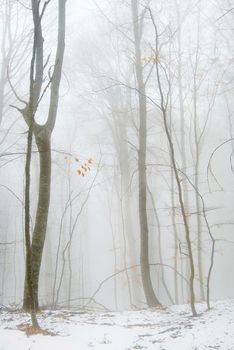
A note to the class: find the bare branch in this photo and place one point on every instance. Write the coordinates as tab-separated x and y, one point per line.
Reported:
13	89
228	11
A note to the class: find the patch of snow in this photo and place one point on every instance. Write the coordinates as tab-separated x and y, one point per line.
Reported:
154	329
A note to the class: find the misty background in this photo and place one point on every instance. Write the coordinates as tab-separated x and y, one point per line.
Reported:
92	245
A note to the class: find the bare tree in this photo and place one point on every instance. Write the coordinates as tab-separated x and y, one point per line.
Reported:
163	106
144	230
42	133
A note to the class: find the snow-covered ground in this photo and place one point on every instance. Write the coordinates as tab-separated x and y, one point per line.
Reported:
159	329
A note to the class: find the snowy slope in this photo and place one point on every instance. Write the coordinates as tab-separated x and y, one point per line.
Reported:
159	329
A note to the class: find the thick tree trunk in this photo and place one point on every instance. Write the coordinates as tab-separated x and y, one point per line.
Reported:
150	296
29	274
43	144
42	134
144	239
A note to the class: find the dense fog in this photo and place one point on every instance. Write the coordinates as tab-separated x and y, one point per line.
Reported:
141	152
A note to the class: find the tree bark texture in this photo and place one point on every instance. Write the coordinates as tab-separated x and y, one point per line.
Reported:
150	296
42	134
39	233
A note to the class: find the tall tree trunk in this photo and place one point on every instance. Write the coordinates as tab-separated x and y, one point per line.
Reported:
197	152
150	296
31	307
182	125
164	111
43	144
119	104
43	133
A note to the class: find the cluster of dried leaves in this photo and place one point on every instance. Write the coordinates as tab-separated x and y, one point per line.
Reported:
30	330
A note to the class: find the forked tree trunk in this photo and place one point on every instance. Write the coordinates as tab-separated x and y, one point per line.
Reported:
42	134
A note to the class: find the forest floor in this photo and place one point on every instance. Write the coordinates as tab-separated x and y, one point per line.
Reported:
171	328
